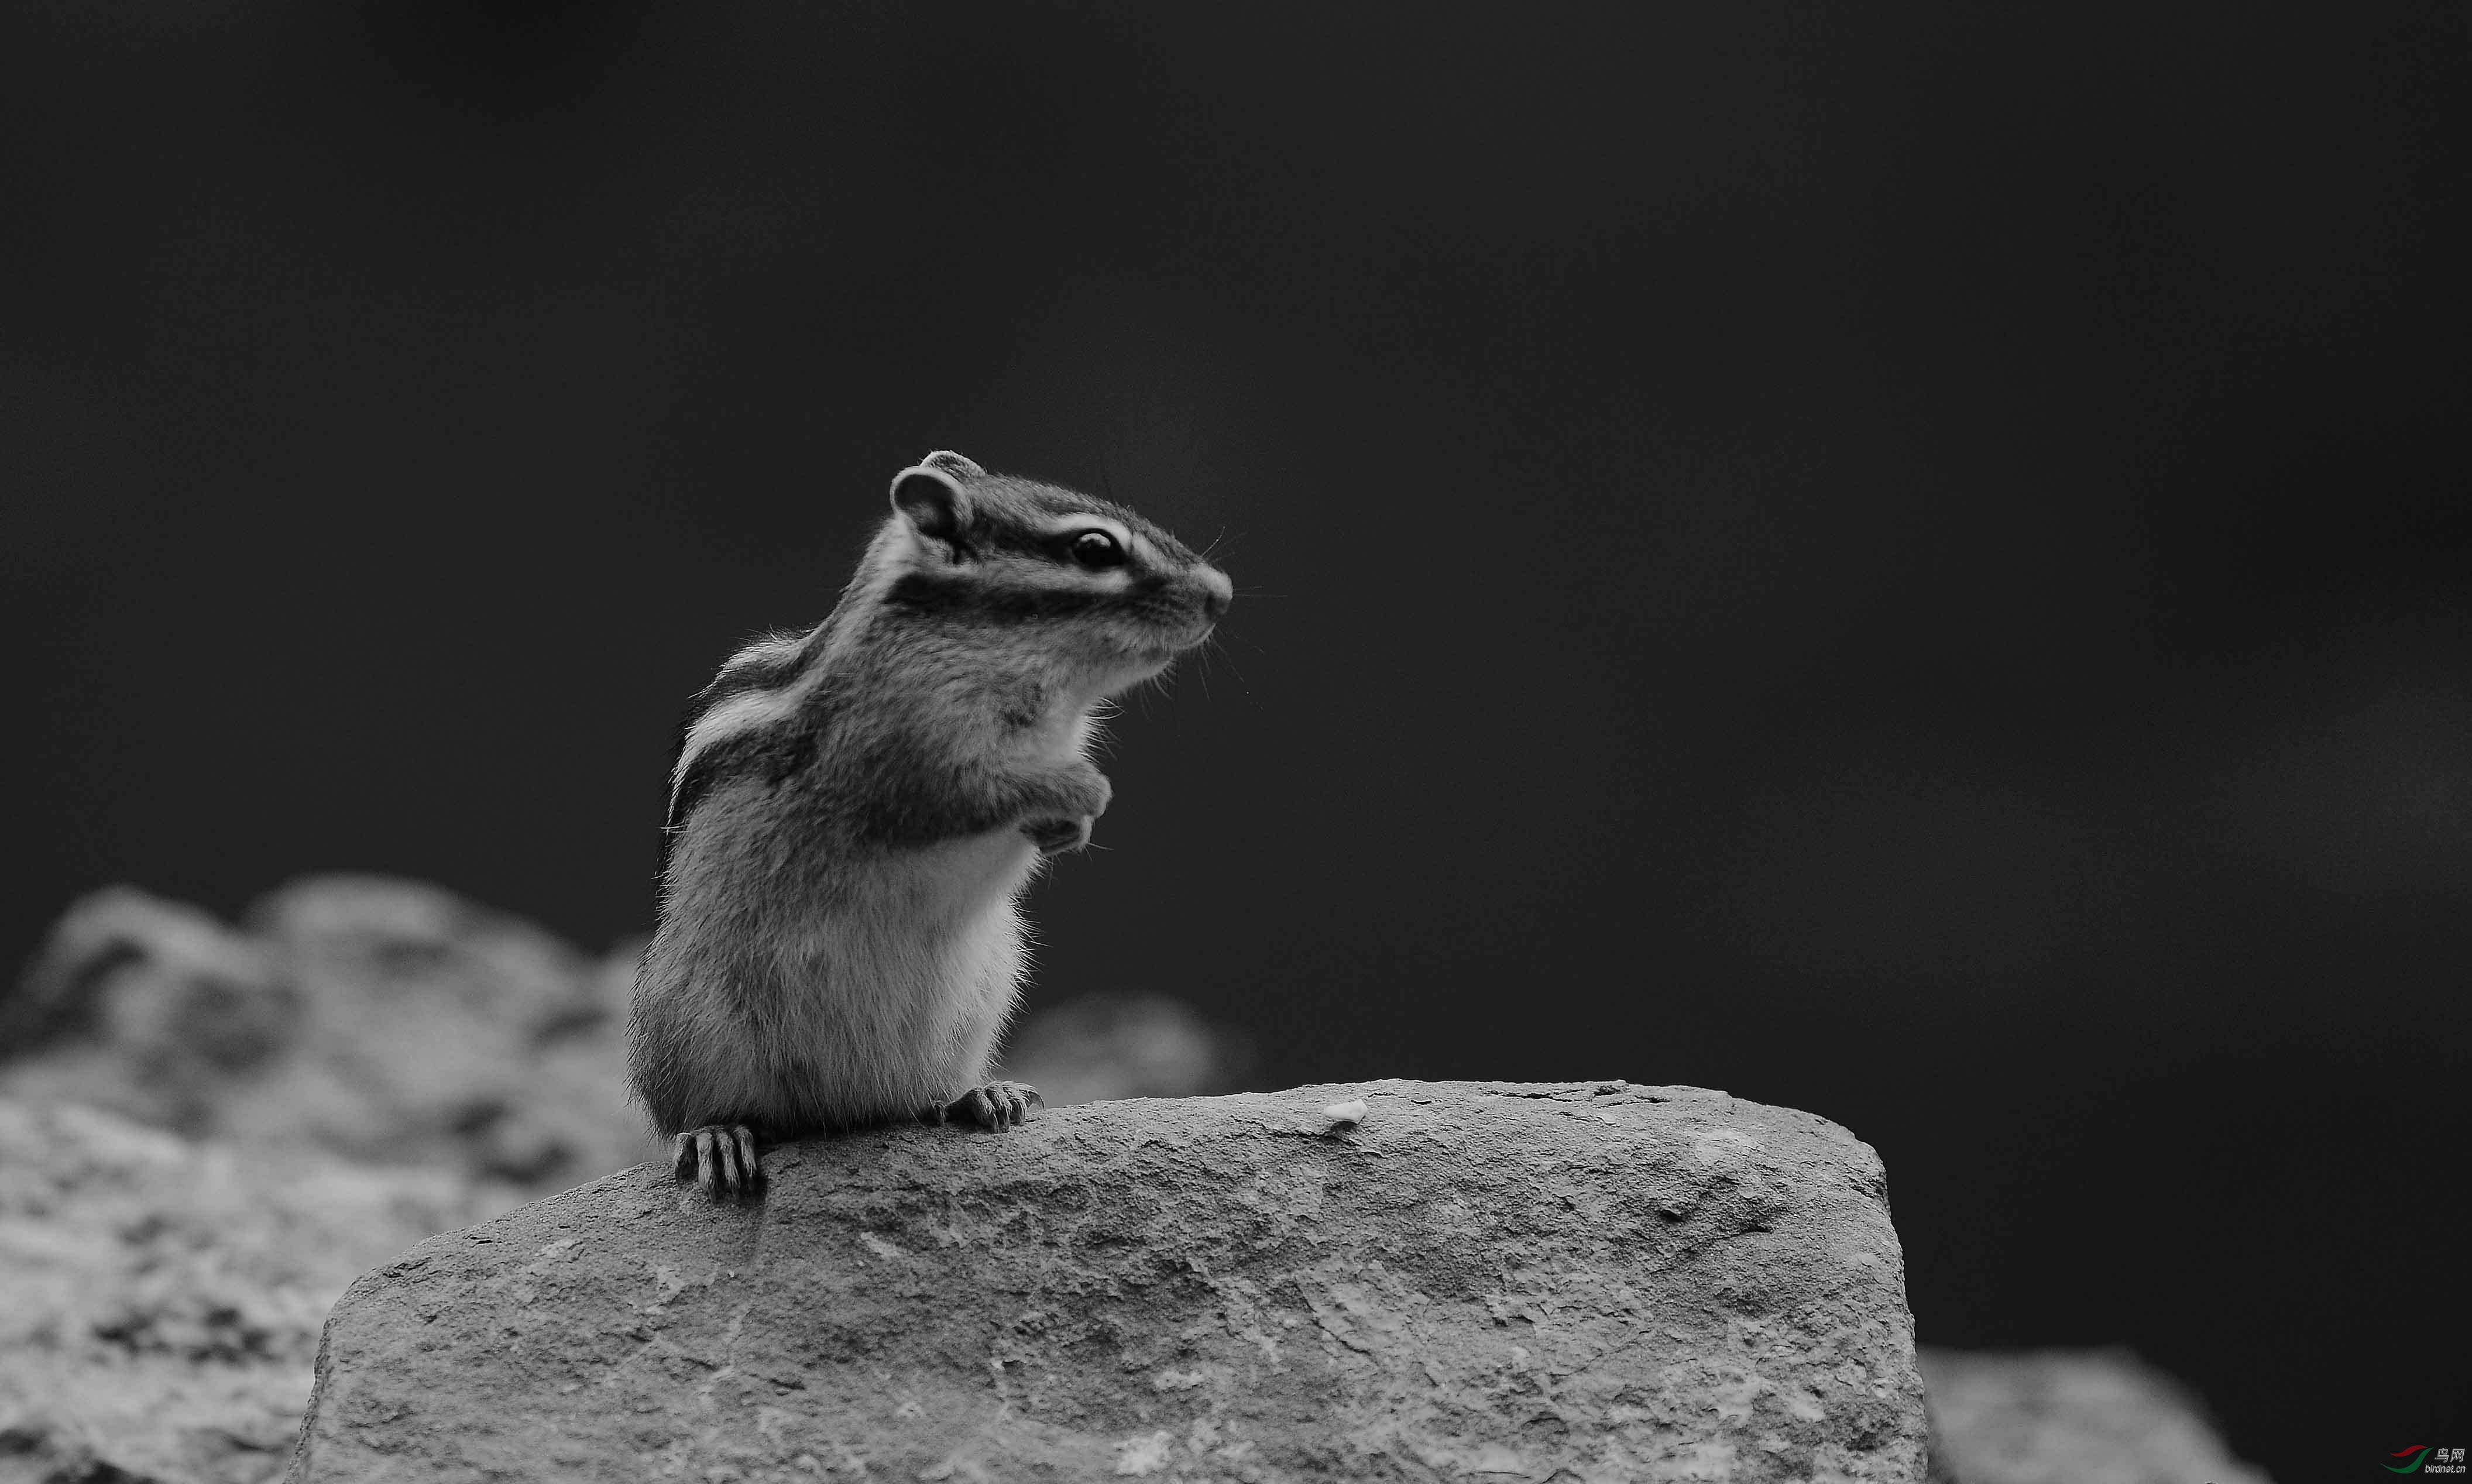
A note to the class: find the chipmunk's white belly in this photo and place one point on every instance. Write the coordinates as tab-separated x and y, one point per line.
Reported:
895	994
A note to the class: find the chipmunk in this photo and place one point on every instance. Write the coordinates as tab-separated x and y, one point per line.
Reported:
856	809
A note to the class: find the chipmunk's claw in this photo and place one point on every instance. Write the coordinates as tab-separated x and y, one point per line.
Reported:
718	1159
998	1105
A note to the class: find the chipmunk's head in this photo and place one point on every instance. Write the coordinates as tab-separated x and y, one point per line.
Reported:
1084	576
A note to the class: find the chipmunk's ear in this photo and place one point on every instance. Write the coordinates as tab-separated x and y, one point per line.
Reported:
931	498
954	464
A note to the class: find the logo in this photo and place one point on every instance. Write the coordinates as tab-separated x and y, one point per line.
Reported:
2426	1458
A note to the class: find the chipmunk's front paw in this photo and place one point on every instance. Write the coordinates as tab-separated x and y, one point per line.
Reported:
718	1159
1055	837
998	1105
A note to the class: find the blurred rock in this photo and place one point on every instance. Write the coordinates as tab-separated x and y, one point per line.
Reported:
161	1299
1101	1047
148	1006
2070	1417
385	1021
1583	1282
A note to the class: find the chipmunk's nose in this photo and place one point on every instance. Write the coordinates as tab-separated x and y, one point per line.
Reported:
1216	592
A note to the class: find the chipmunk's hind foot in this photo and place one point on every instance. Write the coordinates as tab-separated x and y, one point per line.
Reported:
998	1105
718	1159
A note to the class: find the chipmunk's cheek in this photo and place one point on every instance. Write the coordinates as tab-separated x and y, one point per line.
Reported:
1146	664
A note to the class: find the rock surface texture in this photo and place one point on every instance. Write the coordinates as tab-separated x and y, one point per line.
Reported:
1569	1282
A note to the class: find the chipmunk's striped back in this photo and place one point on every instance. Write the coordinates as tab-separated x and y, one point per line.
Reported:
855	809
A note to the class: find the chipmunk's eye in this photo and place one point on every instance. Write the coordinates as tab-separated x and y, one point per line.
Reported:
1096	549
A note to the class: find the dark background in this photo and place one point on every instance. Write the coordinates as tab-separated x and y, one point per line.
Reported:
1905	560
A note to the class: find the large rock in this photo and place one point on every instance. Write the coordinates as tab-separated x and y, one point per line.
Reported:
1575	1281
